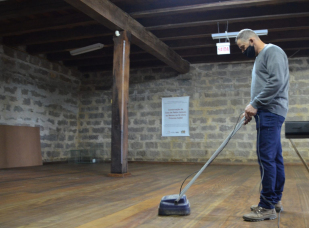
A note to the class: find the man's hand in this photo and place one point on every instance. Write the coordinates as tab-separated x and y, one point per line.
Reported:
249	112
247	120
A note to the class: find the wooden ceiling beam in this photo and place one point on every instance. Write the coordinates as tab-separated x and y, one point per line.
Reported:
47	24
98	62
274	41
239	57
78	34
230	20
234	57
146	64
175	38
207	7
65	55
24	9
142	57
185	53
292	35
271	37
249	12
105	52
67	45
272	25
69	22
114	18
182	51
68	30
95	31
108	60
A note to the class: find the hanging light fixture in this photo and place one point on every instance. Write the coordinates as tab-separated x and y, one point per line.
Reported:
234	34
86	49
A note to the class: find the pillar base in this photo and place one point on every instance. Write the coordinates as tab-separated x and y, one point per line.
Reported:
119	175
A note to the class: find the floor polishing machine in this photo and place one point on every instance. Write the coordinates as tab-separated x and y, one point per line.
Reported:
178	204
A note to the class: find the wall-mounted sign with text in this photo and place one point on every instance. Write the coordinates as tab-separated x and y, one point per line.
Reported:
175	116
223	48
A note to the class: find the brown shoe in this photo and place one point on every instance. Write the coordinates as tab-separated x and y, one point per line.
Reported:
260	214
278	207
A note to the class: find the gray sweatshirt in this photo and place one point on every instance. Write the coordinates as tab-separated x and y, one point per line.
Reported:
270	81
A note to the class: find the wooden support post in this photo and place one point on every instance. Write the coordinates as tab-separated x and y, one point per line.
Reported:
121	72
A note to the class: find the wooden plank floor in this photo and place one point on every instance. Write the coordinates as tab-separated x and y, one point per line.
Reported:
70	195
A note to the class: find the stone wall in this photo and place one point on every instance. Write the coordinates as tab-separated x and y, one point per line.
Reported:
218	94
35	92
77	115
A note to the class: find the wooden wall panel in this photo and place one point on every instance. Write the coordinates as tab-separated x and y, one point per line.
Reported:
20	146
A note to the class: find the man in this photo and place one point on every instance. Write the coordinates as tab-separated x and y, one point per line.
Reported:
269	106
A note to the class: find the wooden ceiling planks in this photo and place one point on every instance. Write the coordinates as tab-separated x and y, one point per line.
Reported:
89	30
53	27
29	27
206	7
114	18
15	9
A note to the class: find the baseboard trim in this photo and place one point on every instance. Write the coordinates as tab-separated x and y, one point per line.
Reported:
55	162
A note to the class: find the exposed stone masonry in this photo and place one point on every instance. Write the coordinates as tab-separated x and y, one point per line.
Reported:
35	92
218	94
74	114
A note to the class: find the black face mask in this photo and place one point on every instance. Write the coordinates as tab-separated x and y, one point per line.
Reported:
249	52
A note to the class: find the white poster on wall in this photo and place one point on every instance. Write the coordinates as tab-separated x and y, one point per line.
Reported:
175	116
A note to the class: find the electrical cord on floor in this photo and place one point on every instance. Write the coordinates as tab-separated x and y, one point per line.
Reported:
222	149
261	164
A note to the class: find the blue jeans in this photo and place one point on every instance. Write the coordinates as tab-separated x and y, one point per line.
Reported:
268	127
